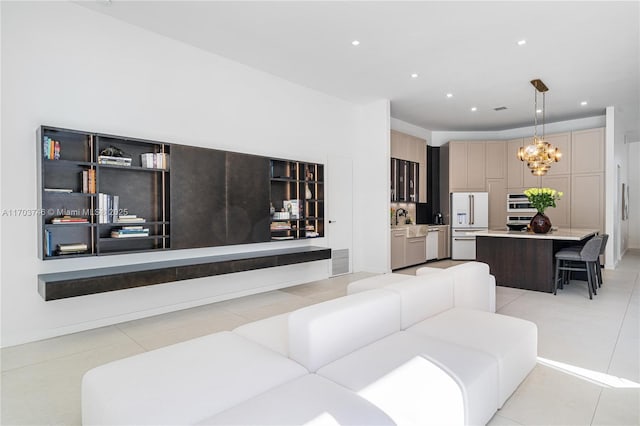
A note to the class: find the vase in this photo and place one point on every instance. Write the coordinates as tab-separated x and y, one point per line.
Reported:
307	192
540	223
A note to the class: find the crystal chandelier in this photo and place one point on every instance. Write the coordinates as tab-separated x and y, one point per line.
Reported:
540	154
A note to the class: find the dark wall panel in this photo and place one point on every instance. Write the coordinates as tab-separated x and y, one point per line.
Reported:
197	197
247	178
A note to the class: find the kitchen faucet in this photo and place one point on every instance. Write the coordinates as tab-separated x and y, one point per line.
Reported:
400	212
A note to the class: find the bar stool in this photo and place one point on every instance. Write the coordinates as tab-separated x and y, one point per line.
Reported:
585	260
603	246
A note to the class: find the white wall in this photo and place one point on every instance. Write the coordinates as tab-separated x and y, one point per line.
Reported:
410	129
371	190
64	65
634	195
622	124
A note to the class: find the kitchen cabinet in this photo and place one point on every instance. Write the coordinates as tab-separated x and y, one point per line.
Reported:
411	149
560	215
497	190
495	162
405	181
416	250
398	247
408	246
563	142
432	244
443	242
466	166
587	201
587	151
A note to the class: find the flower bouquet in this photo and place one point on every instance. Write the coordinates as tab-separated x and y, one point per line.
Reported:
540	199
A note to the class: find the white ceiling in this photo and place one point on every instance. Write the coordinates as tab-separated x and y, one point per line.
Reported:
581	50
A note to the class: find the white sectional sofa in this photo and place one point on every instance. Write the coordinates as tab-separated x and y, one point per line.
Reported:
397	349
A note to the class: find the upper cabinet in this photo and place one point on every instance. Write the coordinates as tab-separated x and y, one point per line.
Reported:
467	166
408	177
563	142
587	151
496	155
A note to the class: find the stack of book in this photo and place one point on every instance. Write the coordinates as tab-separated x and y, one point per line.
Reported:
155	160
72	248
129	218
130	232
280	226
114	161
88	181
51	149
69	219
108	208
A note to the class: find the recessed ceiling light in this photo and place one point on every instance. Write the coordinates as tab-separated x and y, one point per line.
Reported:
449	95
522	42
474	109
355	42
414	75
583	103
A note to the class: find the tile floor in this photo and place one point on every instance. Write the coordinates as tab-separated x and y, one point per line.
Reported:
588	370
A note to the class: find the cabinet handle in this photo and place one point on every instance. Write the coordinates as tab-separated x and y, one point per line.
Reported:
332	221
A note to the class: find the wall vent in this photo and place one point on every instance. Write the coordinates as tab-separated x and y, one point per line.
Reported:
339	262
500	108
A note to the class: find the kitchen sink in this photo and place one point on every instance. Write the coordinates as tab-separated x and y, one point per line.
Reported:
412	230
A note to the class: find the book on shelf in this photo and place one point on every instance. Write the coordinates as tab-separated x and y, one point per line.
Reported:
48	249
129	218
52	148
69	219
108	208
63	190
88	181
130	233
114	161
155	160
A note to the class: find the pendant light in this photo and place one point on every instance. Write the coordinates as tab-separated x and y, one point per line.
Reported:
540	154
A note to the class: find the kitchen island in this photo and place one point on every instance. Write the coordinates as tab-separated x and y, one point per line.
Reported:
523	259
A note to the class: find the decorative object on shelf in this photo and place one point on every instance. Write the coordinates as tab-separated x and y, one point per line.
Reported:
307	191
541	199
540	154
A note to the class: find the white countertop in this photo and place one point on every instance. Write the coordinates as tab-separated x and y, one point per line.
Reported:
571	234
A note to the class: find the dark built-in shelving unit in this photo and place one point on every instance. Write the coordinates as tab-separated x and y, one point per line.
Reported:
141	191
197	197
297	200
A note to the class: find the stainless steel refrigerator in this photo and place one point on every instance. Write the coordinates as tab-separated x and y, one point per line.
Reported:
469	215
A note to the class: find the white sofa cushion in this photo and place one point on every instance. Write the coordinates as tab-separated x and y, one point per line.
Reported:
182	383
512	341
474	287
424	296
272	332
377	281
322	333
307	400
392	374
